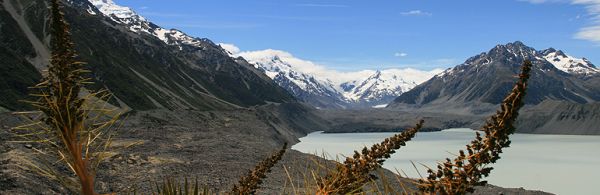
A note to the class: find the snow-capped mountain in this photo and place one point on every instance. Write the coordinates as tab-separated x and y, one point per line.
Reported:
382	86
139	24
484	79
120	14
297	76
279	66
379	88
327	88
149	67
569	64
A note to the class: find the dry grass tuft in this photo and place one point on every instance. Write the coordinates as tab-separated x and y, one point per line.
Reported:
174	187
249	184
74	129
350	176
460	175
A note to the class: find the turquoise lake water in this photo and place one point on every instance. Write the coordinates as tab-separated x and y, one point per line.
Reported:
560	164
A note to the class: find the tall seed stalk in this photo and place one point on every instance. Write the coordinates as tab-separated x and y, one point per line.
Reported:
350	176
249	183
460	175
73	127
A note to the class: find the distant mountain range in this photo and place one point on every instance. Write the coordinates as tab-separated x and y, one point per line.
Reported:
485	79
372	88
147	67
482	79
324	88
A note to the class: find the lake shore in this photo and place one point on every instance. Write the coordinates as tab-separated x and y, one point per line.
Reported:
533	161
545	118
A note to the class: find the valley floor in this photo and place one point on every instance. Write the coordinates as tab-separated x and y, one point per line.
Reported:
551	117
214	147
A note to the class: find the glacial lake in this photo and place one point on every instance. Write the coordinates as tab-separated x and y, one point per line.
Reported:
560	164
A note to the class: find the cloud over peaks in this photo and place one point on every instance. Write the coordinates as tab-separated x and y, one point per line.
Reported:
231	48
590	32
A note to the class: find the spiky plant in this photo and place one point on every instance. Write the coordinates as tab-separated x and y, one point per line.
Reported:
174	187
460	175
249	183
350	176
73	125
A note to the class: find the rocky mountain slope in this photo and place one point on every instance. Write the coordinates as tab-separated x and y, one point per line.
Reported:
484	79
334	89
561	117
17	71
562	95
144	65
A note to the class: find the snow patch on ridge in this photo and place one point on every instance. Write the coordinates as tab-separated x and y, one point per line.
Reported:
570	64
109	8
137	23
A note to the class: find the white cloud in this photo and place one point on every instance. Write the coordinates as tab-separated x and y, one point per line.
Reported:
231	48
411	74
416	13
304	66
400	54
590	32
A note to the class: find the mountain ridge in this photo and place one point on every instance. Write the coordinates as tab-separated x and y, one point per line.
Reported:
142	70
485	78
321	93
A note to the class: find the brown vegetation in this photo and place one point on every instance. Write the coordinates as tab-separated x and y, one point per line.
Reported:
350	176
72	128
249	184
458	176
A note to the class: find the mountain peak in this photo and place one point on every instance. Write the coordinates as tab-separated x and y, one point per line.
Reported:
109	8
138	24
552	51
517	48
517	44
569	64
511	53
485	78
377	74
549	50
516	52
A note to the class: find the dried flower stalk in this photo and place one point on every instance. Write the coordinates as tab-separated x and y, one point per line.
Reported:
249	184
350	176
460	175
72	127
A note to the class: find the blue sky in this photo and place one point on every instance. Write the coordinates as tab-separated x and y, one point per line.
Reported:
350	35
